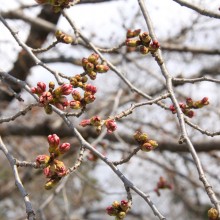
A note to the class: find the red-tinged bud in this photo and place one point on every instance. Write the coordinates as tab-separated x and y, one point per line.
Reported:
84	62
154	46
153	143
146	147
89	67
53	140
93	58
42	159
173	109
101	68
52	85
76	95
111	211
124	205
48	173
205	101
135	33
213	214
189	102
66	89
60	106
51	183
63	148
41	87
92	157
88	97
182	105
67	39
132	43
63	101
145	38
85	122
34	90
110	125
144	50
45	98
90	88
74	82
95	121
75	105
60	168
189	113
48	109
92	75
84	79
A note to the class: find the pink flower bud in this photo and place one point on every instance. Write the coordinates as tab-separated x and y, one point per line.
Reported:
75	104
85	122
90	88
66	89
89	67
173	109
111	211
110	125
60	168
64	148
42	159
101	68
76	95
48	172
124	205
88	97
95	121
45	98
205	101
145	38
53	140
41	87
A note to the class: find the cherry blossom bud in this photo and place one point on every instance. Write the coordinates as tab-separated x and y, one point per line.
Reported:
154	46
48	172
51	183
116	204
145	38
41	87
146	147
76	95
173	109
42	159
45	98
60	168
144	50
111	211
53	140
124	205
84	62
189	102
135	33
93	58
121	215
205	101
140	137
95	121
90	88
66	89
132	43
63	148
102	68
85	122
110	125
51	85
75	105
88	97
92	75
213	214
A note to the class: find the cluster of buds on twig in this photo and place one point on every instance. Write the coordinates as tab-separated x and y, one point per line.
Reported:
145	143
58	5
143	42
213	214
119	210
56	97
189	105
162	184
63	38
89	97
54	169
92	66
97	122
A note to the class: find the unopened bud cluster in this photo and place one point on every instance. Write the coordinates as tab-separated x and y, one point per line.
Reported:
189	105
63	38
145	143
58	5
119	210
97	122
213	214
92	66
162	184
143	41
54	169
